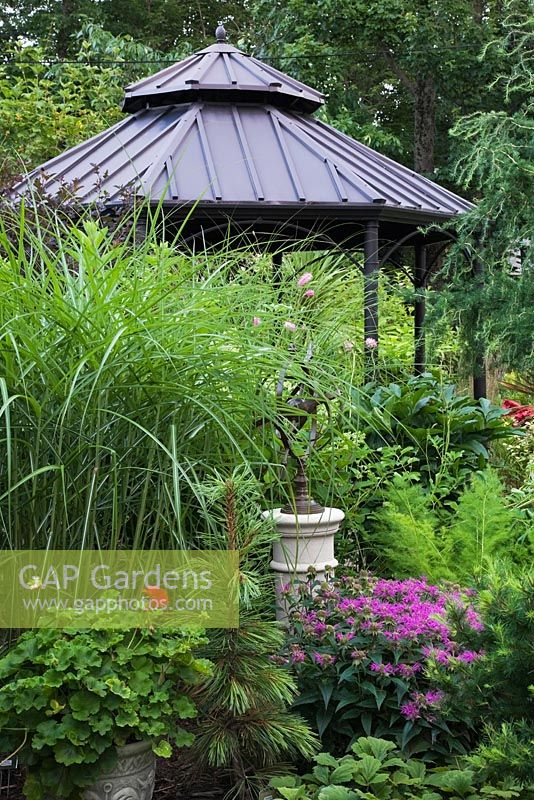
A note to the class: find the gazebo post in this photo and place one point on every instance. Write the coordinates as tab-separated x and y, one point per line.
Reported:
419	309
371	268
277	269
479	376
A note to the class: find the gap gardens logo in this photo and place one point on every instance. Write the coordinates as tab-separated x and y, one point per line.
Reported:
119	588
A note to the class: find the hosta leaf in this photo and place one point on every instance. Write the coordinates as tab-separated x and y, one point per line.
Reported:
284	780
372	746
368	767
321	774
342	773
293	793
459	780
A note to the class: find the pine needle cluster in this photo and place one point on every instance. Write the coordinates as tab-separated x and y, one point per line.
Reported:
245	728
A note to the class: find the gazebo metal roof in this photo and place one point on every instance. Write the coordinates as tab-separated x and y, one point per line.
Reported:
232	138
221	68
224	144
232	153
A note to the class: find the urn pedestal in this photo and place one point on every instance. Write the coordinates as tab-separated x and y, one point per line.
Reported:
306	540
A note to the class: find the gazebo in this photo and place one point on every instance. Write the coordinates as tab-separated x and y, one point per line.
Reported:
225	145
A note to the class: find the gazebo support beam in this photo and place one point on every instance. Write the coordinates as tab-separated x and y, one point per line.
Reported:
371	270
277	269
419	309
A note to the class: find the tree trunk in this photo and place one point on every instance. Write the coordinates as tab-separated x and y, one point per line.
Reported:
64	29
425	124
478	11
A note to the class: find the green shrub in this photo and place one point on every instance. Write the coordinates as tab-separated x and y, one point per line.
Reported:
515	457
360	647
356	474
449	433
245	725
69	698
507	750
497	690
410	536
245	729
375	770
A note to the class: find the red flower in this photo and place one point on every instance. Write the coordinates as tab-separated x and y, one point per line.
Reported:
518	412
158	597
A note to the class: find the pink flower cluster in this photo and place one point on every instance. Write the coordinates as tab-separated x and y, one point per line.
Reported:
304	279
421	703
289	325
393	627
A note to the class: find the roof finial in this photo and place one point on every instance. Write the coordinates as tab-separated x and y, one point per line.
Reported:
220	34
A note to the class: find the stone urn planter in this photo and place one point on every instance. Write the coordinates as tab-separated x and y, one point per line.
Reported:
132	778
305	540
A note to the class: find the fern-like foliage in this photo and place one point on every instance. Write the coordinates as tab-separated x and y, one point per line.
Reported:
409	537
484	525
404	534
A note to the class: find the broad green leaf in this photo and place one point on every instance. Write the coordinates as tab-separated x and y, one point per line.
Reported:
162	748
334	793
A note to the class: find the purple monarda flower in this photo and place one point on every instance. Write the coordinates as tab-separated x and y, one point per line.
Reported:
411	710
298	656
433	698
323	659
468	656
384	630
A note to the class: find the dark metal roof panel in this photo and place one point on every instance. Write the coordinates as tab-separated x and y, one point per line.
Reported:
239	154
221	73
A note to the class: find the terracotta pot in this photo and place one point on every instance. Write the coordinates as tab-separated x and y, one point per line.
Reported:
132	777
